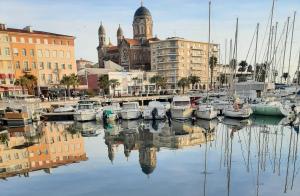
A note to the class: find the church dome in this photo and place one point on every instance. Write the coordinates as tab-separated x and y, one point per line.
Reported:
142	11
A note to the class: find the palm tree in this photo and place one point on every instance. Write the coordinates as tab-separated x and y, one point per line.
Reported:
194	80
159	81
67	81
212	64
27	81
135	79
22	81
113	83
75	80
243	66
285	76
103	83
250	69
183	82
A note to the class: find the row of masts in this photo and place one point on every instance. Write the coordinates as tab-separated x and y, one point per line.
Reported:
270	62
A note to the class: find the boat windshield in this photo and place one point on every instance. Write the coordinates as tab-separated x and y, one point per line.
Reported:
181	103
82	107
129	106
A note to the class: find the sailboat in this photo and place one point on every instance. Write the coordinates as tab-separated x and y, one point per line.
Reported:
207	111
236	110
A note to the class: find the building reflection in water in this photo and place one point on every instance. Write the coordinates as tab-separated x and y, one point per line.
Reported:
149	136
39	147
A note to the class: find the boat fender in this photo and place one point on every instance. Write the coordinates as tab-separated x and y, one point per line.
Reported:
154	113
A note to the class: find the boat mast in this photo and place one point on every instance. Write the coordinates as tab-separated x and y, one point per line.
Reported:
270	32
255	53
298	75
235	47
291	46
208	48
274	53
284	49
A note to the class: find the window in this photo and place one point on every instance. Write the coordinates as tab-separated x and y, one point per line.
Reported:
15	51
24	52
70	66
54	41
47	53
49	65
38	41
22	40
54	53
40	53
63	66
31	52
17	65
43	77
61	54
56	66
50	77
41	65
45	41
14	39
26	67
68	55
7	51
30	40
33	65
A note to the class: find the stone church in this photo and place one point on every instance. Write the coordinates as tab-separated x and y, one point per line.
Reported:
129	53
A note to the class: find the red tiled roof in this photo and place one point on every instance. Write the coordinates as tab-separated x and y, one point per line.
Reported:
133	42
35	32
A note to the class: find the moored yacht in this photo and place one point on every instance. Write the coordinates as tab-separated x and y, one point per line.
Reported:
87	110
235	111
206	111
271	108
130	111
154	111
181	107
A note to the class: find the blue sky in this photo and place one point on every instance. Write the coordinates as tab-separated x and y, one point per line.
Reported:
184	18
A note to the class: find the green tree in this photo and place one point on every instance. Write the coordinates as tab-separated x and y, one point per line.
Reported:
285	76
159	81
260	72
113	83
103	83
74	80
243	66
27	81
250	69
67	82
183	82
194	80
223	79
212	64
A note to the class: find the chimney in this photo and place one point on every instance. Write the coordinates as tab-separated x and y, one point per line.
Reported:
2	26
28	28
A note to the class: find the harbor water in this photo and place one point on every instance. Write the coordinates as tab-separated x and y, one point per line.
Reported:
252	157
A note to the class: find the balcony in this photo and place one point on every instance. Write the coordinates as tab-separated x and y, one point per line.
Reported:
26	70
56	70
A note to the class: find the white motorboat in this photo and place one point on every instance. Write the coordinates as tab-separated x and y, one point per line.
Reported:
206	112
87	110
234	111
181	107
110	112
130	111
63	109
154	111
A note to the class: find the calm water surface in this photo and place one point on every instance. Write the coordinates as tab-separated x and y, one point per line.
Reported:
255	157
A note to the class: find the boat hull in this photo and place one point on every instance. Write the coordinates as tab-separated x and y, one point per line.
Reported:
147	114
241	114
181	113
85	116
206	113
267	110
130	115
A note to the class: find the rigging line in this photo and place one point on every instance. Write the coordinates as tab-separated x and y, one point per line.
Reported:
291	44
242	150
251	44
264	38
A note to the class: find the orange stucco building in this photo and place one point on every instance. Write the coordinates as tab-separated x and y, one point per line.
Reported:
48	56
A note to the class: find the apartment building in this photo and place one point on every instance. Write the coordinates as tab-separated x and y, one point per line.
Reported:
48	56
175	58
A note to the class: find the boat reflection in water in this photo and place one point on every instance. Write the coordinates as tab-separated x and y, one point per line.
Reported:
148	137
39	147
